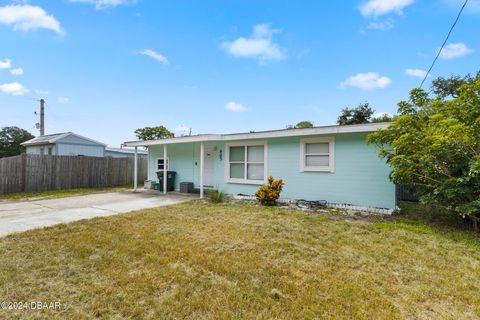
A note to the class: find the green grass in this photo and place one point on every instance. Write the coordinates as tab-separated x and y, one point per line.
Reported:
196	260
58	193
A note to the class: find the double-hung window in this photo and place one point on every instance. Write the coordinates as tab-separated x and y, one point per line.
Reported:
161	164
245	163
317	154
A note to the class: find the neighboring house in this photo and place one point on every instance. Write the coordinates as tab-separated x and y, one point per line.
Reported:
124	153
65	144
331	163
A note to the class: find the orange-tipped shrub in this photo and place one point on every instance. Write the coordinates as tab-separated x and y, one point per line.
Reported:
269	194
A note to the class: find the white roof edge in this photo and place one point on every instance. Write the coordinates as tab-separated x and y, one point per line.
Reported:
199	138
335	129
59	137
123	150
50	141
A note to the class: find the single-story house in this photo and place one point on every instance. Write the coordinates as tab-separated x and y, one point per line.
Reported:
72	144
330	163
65	144
124	153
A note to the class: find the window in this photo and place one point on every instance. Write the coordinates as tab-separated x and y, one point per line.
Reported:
317	154
42	151
50	151
161	163
245	163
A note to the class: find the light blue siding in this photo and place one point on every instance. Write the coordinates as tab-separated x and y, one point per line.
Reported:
118	154
360	176
183	159
70	146
37	149
64	149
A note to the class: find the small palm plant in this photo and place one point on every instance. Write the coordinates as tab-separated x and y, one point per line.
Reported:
215	196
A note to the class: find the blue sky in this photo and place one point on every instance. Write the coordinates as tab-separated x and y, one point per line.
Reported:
107	67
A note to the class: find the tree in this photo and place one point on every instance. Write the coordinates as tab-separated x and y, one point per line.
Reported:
449	87
358	115
304	124
11	139
153	133
383	118
301	125
434	145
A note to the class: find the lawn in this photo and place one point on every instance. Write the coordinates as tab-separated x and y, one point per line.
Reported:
58	193
196	260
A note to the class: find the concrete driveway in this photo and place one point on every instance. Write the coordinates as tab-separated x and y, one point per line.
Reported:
18	216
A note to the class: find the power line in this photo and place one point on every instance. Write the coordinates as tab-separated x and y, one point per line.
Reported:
444	42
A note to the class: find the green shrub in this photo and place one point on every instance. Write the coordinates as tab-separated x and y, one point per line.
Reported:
215	196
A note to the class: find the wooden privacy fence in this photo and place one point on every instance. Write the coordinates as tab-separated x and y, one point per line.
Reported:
27	173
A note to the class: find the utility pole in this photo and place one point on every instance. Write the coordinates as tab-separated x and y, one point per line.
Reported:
42	117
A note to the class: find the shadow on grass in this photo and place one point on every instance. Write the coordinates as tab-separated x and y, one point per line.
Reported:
432	218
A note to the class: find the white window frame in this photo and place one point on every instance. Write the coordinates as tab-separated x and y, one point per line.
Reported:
156	164
246	144
331	154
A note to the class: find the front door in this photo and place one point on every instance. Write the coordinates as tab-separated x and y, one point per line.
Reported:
208	167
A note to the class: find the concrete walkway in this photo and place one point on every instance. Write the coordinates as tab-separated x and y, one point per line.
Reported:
18	216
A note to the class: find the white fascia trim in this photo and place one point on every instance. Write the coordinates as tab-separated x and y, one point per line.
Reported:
201	138
125	151
246	144
369	127
326	130
331	154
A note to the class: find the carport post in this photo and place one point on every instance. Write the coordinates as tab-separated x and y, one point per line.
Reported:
202	151
135	170
165	169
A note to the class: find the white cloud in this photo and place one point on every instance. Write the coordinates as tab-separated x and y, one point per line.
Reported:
63	100
381	25
42	92
367	81
182	130
378	8
25	17
235	107
14	88
154	55
103	4
259	46
5	64
455	50
16	72
416	73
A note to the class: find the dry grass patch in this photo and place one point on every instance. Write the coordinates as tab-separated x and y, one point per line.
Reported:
51	194
196	260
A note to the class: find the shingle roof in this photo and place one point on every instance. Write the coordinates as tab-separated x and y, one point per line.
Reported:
45	139
52	138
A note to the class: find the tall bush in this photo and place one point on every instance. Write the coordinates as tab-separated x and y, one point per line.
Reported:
434	145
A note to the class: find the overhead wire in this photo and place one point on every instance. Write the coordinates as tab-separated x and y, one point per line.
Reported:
444	43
